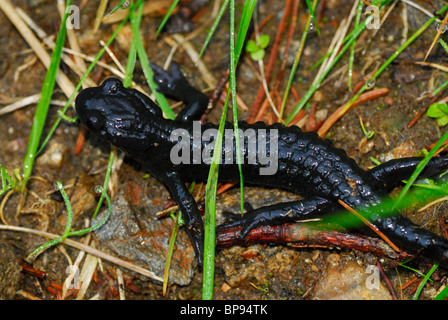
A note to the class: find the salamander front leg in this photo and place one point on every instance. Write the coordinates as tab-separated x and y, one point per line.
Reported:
190	212
292	211
173	83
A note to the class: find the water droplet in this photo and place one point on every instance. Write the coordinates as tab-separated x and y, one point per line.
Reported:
125	4
439	27
311	26
370	84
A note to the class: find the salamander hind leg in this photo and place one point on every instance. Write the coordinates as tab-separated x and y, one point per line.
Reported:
279	213
393	172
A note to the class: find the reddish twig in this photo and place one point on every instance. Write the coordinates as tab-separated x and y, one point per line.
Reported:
33	271
367	96
310	124
321	11
272	59
300	233
291	29
80	140
386	280
298	117
423	110
408	283
265	21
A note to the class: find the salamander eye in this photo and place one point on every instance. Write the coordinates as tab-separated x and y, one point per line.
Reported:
111	86
96	122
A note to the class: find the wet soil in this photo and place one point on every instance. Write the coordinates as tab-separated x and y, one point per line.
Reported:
134	234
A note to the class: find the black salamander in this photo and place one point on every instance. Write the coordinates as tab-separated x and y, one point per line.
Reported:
306	164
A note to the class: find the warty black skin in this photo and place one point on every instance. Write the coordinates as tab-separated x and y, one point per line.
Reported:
307	164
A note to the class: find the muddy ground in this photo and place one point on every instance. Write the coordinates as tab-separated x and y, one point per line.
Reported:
259	271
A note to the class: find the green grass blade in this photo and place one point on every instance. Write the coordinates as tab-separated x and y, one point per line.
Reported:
444	45
132	56
418	170
78	86
443	294
349	39
44	103
210	208
169	256
147	71
295	65
117	7
312	8
104	195
67	226
212	182
235	51
167	16
423	282
352	48
214	26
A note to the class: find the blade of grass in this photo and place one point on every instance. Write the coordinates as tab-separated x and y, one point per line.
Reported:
368	84
166	17
169	256
214	26
7	182
423	282
82	79
235	51
443	294
348	40
147	71
442	87
67	233
418	170
132	56
178	222
210	209
44	103
311	8
212	181
352	48
372	79
296	64
119	6
68	225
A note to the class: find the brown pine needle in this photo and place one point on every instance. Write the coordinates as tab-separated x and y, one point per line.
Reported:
436	38
370	225
367	96
434	65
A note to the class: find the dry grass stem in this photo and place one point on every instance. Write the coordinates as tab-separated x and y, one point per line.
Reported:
88	249
64	83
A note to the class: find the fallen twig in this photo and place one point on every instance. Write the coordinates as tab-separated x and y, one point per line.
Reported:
370	95
300	233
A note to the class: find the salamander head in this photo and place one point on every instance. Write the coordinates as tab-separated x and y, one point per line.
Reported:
119	115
